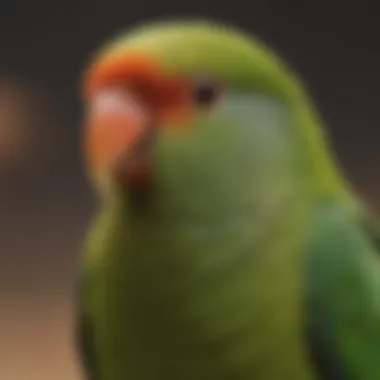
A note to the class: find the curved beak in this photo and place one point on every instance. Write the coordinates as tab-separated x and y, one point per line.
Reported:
118	137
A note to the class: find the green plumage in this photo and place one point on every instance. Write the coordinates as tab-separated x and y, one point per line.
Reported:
250	260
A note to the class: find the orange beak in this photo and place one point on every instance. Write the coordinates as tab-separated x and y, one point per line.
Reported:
117	136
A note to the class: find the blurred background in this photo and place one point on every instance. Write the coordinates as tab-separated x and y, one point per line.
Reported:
45	202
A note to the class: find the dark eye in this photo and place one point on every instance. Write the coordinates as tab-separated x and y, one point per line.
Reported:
206	92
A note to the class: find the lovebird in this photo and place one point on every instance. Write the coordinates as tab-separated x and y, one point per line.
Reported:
228	244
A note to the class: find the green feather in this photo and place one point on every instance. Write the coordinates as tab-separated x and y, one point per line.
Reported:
216	275
192	48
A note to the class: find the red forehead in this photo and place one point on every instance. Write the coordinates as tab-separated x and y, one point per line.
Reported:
131	67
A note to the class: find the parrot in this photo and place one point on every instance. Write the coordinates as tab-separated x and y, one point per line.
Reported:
228	244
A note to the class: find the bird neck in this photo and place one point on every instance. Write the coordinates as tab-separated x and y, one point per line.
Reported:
326	179
202	222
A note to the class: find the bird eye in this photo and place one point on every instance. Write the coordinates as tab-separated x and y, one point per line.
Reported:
206	92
